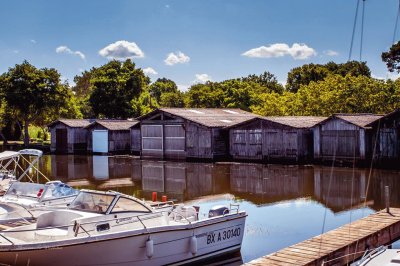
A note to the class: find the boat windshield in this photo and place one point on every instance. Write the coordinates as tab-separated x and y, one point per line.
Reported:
91	202
57	190
24	189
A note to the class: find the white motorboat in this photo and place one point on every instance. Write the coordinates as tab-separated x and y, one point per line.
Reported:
380	256
104	228
25	201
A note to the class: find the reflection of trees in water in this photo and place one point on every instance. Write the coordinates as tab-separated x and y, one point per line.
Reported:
337	188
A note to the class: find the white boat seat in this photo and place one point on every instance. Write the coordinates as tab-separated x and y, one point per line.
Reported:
50	234
56	218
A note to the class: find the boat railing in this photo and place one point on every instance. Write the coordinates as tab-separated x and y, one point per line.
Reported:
368	255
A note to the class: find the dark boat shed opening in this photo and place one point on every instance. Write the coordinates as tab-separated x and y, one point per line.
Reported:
188	133
287	138
110	136
68	135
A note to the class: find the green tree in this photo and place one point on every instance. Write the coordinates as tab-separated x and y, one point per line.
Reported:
114	86
172	99
32	93
265	80
392	58
82	90
308	73
161	86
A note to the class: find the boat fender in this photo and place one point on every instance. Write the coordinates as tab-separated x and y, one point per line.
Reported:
193	245
149	248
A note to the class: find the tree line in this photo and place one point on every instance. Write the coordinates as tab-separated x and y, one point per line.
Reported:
120	90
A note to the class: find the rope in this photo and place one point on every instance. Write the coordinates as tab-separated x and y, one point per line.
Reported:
396	23
354	30
362	28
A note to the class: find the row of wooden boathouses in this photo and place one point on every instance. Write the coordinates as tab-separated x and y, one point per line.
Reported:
219	134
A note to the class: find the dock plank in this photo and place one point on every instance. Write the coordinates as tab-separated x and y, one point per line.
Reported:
374	230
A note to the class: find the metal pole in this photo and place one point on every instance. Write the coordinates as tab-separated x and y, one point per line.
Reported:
387	199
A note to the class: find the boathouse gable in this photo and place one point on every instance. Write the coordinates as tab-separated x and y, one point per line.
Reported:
273	139
68	135
110	136
345	137
188	133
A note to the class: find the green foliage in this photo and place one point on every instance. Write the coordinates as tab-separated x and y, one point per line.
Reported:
33	93
114	86
392	58
160	87
308	73
232	93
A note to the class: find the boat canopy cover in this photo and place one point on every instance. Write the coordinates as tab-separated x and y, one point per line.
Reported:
5	155
33	152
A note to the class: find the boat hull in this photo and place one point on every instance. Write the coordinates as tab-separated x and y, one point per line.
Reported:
160	246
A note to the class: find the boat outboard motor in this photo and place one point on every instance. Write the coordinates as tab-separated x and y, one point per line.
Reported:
218	211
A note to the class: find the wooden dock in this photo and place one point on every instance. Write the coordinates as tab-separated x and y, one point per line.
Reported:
342	245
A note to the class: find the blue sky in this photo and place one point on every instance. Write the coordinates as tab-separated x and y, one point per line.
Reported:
192	41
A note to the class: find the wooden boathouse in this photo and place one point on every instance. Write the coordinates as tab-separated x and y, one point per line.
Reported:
286	138
388	142
68	135
110	136
188	133
345	137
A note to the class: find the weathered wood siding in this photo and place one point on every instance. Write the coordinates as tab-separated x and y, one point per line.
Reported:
135	140
388	146
118	140
76	139
264	140
198	141
339	139
167	136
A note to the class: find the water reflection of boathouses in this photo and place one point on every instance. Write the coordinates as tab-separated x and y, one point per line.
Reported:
340	189
267	184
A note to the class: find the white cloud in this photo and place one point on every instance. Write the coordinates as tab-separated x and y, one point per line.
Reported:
149	71
202	78
183	87
331	53
176	58
16	51
121	50
299	51
66	50
33	41
389	75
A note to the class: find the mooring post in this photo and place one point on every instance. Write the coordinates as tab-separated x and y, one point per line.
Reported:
387	204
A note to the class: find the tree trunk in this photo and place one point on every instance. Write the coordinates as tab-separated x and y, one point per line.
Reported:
26	133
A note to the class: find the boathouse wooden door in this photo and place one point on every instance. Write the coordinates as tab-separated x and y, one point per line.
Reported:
61	140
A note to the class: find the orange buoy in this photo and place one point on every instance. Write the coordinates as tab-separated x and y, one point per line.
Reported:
164	198
154	196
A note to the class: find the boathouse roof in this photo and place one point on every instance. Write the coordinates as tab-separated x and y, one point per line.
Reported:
71	122
360	120
114	124
209	117
291	121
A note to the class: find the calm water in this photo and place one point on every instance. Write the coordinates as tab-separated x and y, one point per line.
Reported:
285	204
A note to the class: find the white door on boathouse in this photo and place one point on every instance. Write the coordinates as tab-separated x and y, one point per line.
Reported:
100	141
